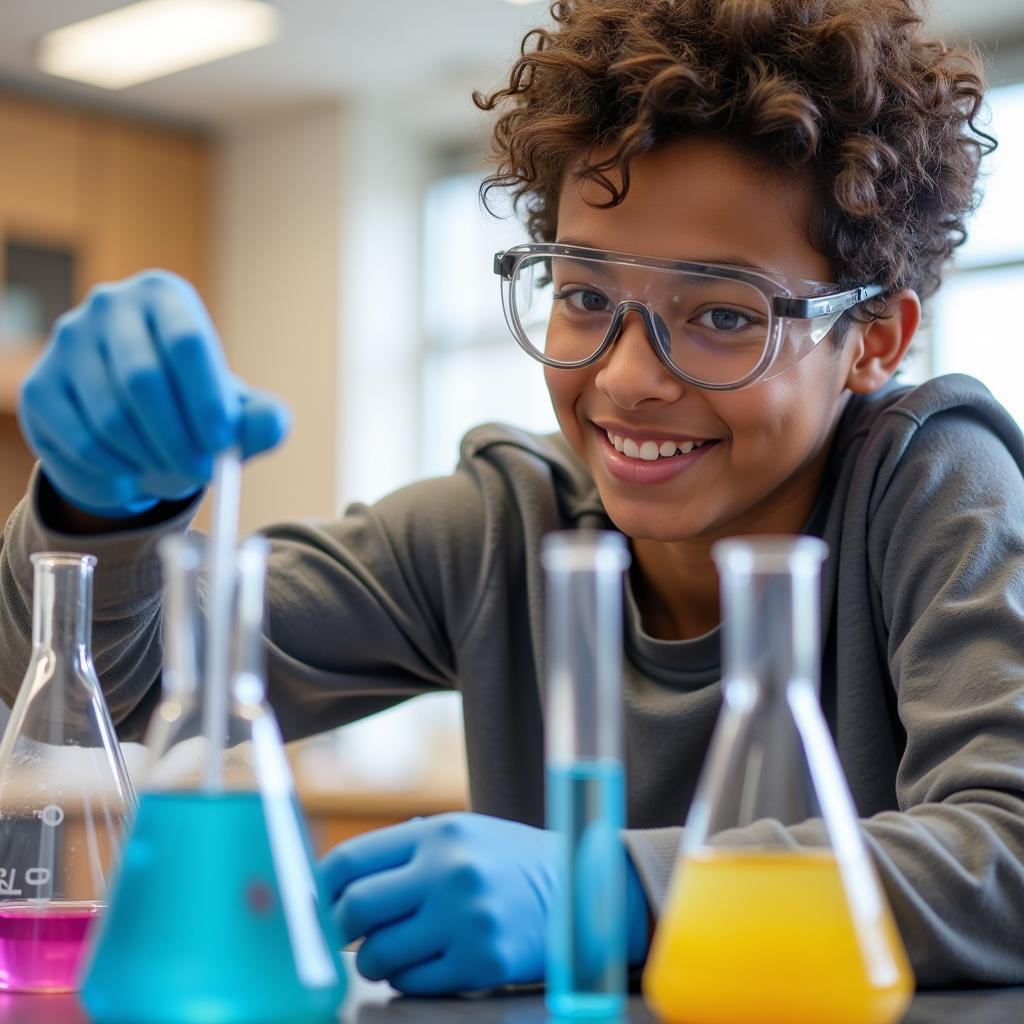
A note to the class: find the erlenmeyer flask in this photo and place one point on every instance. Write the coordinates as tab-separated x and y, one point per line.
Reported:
756	929
65	796
215	915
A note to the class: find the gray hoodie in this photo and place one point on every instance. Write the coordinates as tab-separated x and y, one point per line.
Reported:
439	586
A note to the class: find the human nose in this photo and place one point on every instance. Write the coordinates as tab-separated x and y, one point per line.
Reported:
631	373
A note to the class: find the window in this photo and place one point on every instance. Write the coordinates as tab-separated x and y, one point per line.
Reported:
975	328
472	370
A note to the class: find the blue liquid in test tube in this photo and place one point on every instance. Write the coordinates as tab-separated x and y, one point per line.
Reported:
586	958
586	791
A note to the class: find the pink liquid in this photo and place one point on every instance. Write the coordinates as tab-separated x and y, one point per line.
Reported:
41	945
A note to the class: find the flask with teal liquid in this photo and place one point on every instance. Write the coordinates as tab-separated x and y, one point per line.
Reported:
215	915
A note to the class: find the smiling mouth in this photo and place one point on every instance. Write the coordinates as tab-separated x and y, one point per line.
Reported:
647	450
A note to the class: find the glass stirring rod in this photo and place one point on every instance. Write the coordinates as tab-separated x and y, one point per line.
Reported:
227	476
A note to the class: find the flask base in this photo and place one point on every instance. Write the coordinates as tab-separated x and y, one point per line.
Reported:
197	928
770	936
42	943
585	1006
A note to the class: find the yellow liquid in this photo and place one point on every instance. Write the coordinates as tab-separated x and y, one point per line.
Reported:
759	937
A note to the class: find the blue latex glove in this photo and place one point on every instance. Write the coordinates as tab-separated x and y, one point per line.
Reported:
455	902
132	398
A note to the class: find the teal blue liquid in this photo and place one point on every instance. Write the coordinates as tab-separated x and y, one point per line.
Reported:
586	973
197	928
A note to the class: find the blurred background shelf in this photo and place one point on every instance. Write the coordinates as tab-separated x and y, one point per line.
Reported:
334	817
383	770
15	458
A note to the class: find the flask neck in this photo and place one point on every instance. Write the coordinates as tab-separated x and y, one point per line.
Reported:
62	603
772	636
185	621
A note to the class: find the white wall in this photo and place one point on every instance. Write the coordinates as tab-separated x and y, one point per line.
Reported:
276	274
316	278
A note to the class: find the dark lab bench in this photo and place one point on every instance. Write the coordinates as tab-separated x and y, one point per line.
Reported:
369	1003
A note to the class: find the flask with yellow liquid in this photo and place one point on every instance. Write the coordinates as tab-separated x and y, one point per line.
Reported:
765	924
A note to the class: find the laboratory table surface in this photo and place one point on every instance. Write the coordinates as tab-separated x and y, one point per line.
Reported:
370	1003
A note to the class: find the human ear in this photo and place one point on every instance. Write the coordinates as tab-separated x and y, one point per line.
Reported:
881	344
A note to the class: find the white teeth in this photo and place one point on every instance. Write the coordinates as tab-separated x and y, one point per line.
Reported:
649	451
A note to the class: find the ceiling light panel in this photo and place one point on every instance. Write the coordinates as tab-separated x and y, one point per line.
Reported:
154	38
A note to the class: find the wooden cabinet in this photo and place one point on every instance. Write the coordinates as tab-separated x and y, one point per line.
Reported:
148	195
40	173
119	195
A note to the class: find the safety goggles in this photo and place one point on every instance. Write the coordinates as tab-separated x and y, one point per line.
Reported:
718	327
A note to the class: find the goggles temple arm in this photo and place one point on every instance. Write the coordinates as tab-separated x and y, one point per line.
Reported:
825	305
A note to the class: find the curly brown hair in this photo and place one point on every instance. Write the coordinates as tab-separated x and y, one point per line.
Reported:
882	117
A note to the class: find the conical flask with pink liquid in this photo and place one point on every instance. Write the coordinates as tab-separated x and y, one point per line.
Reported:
65	796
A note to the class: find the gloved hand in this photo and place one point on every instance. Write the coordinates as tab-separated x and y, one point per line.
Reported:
132	398
454	902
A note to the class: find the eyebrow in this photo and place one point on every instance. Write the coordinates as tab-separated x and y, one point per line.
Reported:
722	259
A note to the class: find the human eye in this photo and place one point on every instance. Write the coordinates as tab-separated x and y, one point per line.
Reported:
726	320
583	299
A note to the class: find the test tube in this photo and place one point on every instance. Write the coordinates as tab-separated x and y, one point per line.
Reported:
586	796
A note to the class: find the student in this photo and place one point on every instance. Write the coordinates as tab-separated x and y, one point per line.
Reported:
746	153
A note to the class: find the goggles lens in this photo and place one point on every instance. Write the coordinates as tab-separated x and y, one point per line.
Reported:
716	330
